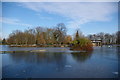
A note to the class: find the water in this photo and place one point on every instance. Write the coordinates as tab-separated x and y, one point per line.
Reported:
60	63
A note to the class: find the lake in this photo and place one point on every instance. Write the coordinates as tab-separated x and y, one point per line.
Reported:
60	63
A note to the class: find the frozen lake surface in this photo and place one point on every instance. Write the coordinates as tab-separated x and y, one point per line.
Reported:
60	63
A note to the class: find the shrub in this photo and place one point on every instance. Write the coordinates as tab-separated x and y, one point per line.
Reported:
83	44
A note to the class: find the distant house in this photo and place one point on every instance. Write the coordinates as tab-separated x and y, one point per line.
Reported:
96	42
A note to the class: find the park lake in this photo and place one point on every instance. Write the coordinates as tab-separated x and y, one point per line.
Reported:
59	62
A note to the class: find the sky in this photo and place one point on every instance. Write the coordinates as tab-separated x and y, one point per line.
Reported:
89	17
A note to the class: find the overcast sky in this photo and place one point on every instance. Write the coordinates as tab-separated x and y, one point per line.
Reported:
89	17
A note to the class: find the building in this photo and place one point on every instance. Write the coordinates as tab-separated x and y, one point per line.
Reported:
96	42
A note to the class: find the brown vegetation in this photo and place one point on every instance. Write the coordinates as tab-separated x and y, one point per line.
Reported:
40	36
81	43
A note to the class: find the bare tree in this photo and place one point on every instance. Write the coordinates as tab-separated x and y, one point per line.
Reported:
68	39
60	33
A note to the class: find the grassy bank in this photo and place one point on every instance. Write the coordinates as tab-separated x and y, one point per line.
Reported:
34	45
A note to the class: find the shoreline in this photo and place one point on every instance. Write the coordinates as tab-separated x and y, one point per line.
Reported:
39	51
55	45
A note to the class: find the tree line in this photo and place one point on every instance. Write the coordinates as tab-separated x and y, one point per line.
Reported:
40	35
106	38
56	35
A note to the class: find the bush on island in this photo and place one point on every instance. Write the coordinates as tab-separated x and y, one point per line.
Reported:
82	44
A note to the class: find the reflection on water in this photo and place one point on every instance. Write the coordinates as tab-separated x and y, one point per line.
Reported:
37	57
81	56
101	63
48	57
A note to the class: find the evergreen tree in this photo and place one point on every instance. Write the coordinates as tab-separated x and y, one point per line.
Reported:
4	41
77	35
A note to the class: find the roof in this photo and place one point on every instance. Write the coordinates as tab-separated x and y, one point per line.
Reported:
96	40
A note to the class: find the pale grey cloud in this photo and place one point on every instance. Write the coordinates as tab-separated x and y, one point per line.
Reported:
79	13
13	21
43	17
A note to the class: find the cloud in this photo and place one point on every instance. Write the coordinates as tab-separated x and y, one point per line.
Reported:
78	13
43	17
12	21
